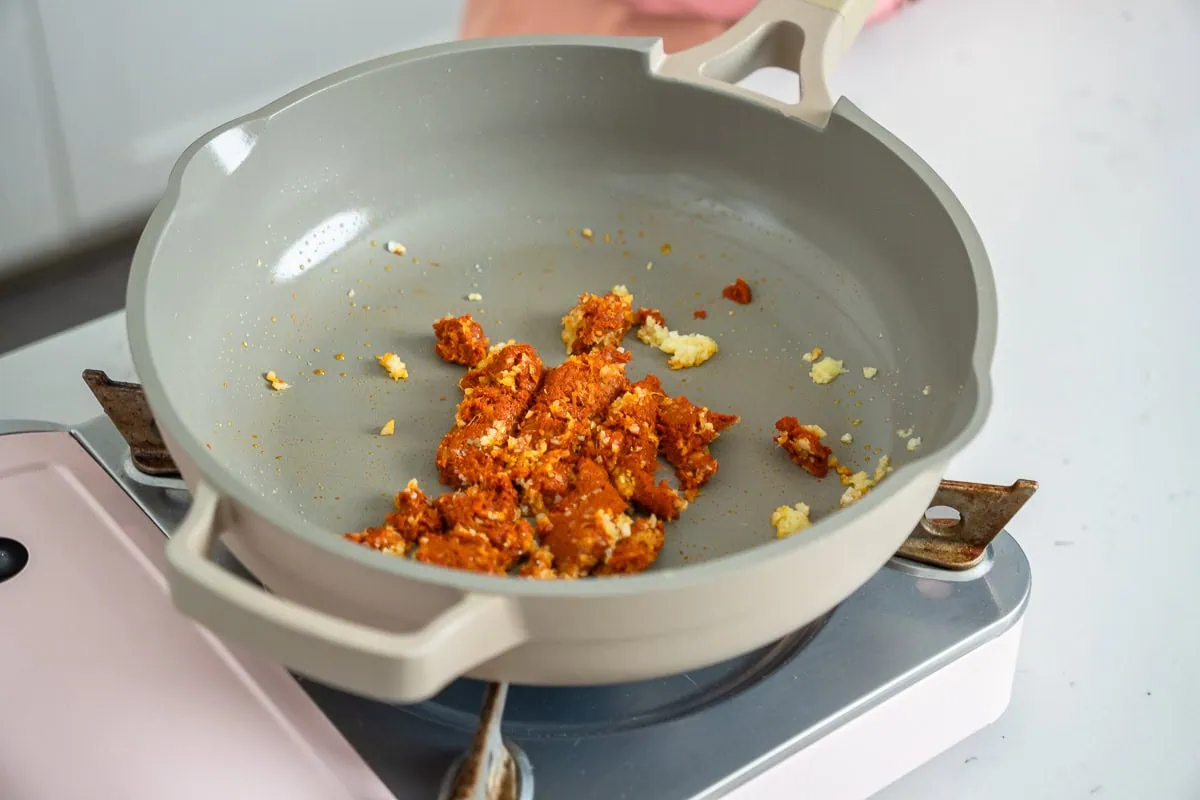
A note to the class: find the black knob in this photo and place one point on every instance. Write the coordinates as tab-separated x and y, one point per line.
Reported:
13	558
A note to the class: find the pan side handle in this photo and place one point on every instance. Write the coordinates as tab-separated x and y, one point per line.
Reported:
395	667
805	36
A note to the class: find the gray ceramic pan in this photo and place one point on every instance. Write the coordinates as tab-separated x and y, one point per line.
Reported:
485	159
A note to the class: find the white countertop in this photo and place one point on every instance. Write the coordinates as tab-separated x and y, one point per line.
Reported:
1071	132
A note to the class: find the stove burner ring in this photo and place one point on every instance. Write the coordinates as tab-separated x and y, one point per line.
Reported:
540	712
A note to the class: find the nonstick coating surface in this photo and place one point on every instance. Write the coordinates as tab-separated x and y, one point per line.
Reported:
482	163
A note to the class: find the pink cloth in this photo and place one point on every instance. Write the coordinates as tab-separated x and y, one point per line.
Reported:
679	23
732	10
727	10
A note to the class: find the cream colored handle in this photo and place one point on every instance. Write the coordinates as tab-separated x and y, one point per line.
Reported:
807	36
396	667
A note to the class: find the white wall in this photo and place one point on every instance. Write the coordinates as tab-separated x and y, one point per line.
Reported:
99	98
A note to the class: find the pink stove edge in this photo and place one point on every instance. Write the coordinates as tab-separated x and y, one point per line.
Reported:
190	717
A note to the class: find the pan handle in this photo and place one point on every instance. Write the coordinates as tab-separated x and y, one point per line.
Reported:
805	36
395	667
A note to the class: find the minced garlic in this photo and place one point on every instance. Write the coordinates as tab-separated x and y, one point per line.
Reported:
277	383
790	519
858	484
825	370
685	350
396	369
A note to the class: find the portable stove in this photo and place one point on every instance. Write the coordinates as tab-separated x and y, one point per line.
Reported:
916	660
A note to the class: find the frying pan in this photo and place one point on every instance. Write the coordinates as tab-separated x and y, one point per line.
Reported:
485	159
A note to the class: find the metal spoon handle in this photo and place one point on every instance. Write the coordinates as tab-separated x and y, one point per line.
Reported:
487	771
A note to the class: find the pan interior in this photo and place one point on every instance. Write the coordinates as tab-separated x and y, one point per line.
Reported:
487	164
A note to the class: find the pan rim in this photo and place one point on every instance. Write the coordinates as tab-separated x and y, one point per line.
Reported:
692	575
